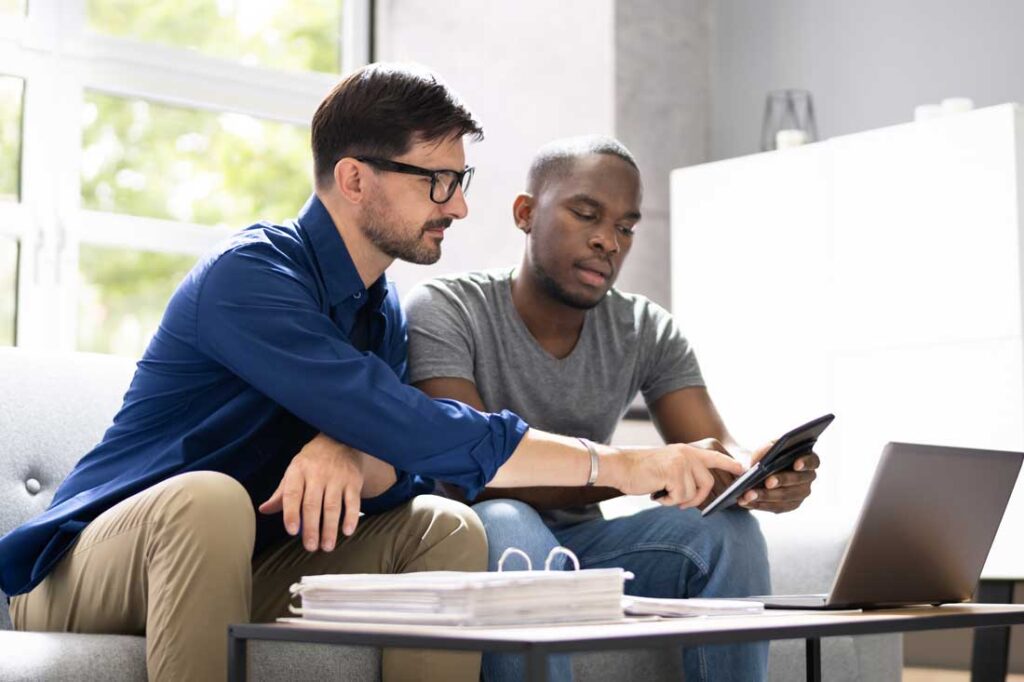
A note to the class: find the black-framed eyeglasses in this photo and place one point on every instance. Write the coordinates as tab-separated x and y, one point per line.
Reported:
442	182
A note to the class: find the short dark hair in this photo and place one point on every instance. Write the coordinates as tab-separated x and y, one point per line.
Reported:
380	110
555	159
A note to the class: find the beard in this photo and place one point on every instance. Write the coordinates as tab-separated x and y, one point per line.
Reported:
400	241
560	294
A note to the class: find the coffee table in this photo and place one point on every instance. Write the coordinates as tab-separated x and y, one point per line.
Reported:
537	643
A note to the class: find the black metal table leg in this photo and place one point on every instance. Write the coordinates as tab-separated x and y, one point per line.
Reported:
236	657
991	645
813	659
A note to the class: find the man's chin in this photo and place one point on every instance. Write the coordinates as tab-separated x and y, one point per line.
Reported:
423	256
582	301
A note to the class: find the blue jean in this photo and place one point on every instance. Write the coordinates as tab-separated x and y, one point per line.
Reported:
672	553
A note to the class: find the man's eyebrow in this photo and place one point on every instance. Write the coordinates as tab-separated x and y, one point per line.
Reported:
594	203
585	199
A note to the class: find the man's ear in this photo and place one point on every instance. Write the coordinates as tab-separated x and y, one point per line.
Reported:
350	178
522	212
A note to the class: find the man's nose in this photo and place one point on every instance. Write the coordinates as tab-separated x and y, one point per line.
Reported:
605	239
456	207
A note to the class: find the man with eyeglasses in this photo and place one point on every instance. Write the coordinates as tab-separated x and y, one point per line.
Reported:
555	342
289	339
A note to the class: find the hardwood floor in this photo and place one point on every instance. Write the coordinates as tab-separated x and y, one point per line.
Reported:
944	675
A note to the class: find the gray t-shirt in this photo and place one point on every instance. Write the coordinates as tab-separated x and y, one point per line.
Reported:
467	327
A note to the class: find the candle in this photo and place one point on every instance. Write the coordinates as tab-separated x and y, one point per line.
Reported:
790	137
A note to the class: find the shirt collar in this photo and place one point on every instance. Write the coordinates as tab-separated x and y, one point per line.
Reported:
336	267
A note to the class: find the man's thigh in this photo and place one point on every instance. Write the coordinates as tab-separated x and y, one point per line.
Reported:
101	585
428	533
674	552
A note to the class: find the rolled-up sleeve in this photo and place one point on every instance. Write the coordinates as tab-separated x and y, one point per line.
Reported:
262	320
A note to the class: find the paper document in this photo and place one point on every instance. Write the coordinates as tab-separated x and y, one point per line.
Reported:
457	598
681	608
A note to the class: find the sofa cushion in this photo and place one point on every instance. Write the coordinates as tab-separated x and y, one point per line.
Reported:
59	656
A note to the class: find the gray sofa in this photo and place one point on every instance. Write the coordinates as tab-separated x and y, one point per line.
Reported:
54	407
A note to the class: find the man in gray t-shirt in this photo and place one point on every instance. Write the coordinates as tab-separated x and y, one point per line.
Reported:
555	343
467	327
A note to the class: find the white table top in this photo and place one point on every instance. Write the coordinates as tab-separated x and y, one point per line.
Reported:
772	624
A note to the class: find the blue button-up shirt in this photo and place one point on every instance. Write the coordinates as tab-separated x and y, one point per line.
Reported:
270	340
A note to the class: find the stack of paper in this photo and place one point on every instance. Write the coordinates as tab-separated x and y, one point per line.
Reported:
679	608
458	598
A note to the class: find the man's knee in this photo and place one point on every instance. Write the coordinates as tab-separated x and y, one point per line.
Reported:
741	529
506	512
740	548
728	541
453	529
734	530
206	504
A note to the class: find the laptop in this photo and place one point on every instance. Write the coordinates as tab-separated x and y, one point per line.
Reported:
924	532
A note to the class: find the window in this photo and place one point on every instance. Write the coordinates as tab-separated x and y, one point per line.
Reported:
12	7
213	168
122	296
8	290
151	131
10	137
11	218
285	34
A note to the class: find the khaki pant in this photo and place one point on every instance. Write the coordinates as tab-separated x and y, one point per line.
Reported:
174	562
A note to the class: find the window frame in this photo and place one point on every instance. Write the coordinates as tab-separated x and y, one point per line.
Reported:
59	58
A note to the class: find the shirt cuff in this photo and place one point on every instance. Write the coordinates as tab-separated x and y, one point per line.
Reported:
406	487
504	441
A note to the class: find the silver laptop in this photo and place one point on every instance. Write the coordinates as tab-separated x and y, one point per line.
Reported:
924	532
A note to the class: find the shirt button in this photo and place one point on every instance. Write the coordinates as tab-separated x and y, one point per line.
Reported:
357	295
32	486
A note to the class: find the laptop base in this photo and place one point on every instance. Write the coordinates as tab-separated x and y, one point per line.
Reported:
819	602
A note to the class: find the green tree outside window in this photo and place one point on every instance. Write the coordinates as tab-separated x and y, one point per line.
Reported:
8	289
161	161
298	35
16	7
11	90
148	159
122	296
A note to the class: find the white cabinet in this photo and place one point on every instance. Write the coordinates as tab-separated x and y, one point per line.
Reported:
876	275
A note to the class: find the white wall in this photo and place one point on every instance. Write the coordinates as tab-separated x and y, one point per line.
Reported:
867	62
531	71
663	83
534	71
680	83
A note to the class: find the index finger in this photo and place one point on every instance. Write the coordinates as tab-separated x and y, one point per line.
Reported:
716	460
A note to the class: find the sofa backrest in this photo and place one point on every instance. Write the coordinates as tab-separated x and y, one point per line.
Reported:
53	408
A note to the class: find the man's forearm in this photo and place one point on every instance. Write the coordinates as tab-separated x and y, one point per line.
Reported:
378	476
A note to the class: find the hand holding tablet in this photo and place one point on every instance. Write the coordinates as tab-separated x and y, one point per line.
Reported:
781	456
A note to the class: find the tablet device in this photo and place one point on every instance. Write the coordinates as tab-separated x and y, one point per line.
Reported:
793	444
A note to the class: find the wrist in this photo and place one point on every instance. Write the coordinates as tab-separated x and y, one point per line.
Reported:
612	469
